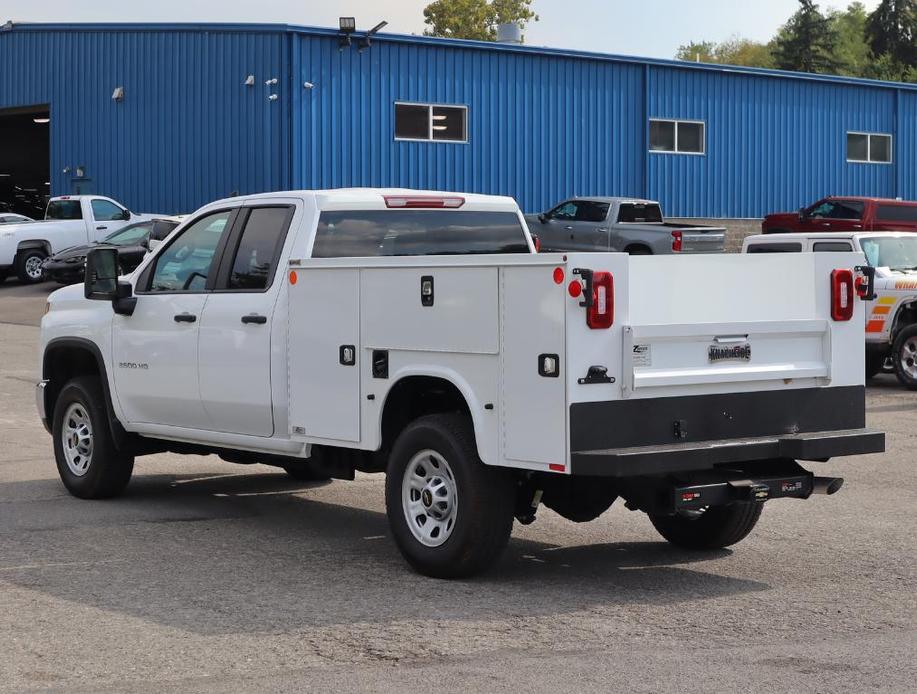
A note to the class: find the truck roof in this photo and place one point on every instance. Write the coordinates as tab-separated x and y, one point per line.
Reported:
613	200
864	198
821	236
374	198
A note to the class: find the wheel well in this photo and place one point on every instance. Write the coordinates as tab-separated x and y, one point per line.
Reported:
29	245
639	247
63	363
416	396
907	315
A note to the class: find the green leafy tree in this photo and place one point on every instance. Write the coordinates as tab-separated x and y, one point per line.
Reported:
807	42
733	51
891	32
475	19
851	51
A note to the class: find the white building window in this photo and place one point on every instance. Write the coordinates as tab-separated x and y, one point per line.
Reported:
431	122
869	148
678	136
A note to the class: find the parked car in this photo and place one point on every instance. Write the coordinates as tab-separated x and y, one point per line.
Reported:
132	242
12	218
417	333
846	214
891	316
70	220
620	224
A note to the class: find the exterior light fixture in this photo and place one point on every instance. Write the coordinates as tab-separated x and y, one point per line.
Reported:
271	81
41	120
118	94
367	41
249	81
347	25
273	97
307	85
81	172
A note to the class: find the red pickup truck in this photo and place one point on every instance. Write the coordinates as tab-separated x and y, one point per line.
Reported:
846	214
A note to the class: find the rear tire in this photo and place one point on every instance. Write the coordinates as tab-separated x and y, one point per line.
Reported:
28	266
305	472
716	527
638	250
88	462
904	355
3	275
451	515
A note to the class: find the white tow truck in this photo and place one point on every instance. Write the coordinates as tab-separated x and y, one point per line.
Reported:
70	220
418	334
891	314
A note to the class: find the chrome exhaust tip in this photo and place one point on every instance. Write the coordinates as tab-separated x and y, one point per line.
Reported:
827	485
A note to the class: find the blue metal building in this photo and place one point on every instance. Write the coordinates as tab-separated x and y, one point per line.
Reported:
539	124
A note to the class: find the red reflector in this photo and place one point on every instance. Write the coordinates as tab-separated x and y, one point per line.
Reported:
557	467
293	277
602	312
842	293
861	284
575	289
676	241
558	275
537	242
423	201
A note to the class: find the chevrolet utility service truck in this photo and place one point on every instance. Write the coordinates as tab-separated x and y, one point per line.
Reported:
419	334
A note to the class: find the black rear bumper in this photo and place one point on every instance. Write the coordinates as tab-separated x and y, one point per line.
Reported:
706	455
652	436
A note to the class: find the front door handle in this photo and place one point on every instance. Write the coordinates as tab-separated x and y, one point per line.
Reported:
601	229
185	318
569	228
254	318
101	227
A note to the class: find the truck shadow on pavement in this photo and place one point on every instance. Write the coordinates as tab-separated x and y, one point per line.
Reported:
217	554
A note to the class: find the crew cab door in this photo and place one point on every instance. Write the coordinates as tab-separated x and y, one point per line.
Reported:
237	330
105	218
834	215
156	349
576	225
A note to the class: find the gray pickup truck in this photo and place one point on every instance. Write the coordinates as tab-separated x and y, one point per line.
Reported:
620	224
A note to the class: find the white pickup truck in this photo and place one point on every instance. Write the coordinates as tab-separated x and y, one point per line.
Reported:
418	334
70	220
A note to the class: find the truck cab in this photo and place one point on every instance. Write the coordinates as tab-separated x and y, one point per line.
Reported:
70	220
836	214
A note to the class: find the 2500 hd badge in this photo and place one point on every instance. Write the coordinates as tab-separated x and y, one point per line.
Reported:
133	365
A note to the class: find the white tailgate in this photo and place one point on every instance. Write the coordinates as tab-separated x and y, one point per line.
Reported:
324	315
774	307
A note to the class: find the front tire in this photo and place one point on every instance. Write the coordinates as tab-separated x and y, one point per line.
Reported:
451	515
904	356
713	528
28	266
89	464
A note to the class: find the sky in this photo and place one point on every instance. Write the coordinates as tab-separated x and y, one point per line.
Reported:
653	28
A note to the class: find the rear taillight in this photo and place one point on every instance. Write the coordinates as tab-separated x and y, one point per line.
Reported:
602	312
842	294
676	241
537	242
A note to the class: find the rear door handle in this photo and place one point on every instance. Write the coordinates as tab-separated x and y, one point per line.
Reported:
185	318
254	318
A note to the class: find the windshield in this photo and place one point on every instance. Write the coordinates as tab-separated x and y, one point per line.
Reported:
894	252
135	233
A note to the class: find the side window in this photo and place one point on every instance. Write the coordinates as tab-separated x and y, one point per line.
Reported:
64	209
831	246
897	213
565	210
846	209
185	265
592	212
822	209
639	212
774	248
105	211
259	247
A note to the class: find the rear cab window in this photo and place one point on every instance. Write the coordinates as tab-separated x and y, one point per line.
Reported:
831	246
374	233
897	213
783	247
64	209
640	213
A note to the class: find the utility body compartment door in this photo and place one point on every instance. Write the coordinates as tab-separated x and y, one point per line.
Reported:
324	308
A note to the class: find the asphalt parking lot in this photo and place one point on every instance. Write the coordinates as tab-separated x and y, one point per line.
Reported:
211	577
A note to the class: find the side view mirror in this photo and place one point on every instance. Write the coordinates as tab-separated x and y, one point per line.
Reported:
802	214
542	217
126	215
101	281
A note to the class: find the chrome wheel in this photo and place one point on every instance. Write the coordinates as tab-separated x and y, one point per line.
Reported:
908	357
429	498
33	267
76	437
